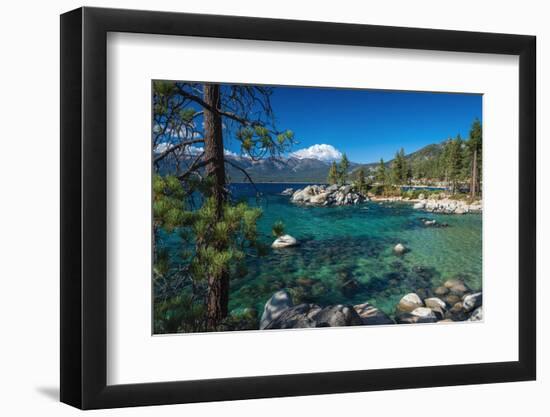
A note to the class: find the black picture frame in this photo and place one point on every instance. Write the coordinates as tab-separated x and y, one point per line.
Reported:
84	207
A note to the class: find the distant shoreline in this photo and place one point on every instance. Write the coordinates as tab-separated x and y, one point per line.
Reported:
280	182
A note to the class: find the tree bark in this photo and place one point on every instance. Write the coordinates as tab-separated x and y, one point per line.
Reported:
474	174
218	285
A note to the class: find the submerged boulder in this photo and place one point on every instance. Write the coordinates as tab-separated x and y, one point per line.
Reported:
399	249
284	241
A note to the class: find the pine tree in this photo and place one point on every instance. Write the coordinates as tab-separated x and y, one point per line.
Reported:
361	183
333	174
455	162
343	169
474	145
177	111
380	174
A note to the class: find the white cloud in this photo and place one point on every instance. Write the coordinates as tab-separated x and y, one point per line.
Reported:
322	152
161	147
192	150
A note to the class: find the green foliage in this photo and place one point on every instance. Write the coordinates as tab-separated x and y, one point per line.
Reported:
213	246
333	174
380	175
338	172
278	228
178	313
343	169
361	182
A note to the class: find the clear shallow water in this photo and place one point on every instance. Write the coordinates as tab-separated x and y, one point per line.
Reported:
346	253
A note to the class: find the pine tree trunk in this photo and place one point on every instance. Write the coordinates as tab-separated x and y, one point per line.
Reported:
474	174
218	284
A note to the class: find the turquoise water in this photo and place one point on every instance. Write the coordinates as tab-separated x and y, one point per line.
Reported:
354	244
346	253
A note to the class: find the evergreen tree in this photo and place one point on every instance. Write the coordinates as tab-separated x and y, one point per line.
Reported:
333	174
399	168
474	149
343	169
186	115
361	183
380	175
455	160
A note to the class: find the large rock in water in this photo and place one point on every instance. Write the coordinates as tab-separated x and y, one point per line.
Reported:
275	306
284	241
334	195
370	315
472	301
409	302
311	315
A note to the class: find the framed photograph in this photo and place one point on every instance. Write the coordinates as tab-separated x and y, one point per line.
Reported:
257	208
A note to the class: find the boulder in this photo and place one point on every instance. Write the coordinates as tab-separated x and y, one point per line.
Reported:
288	191
419	206
370	315
418	315
311	315
451	283
337	316
429	223
424	313
452	299
456	313
294	318
319	198
434	302
409	302
275	306
400	249
421	196
284	241
477	315
472	301
332	188
441	291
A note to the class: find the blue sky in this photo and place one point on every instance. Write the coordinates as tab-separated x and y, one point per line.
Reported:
371	124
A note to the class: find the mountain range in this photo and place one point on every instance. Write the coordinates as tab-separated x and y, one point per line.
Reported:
308	170
302	169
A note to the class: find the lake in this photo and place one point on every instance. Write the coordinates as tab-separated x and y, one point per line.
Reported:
346	254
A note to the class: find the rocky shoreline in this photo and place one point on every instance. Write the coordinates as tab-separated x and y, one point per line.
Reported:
434	204
343	195
451	302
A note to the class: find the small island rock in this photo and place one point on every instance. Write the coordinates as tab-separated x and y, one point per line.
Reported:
284	241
